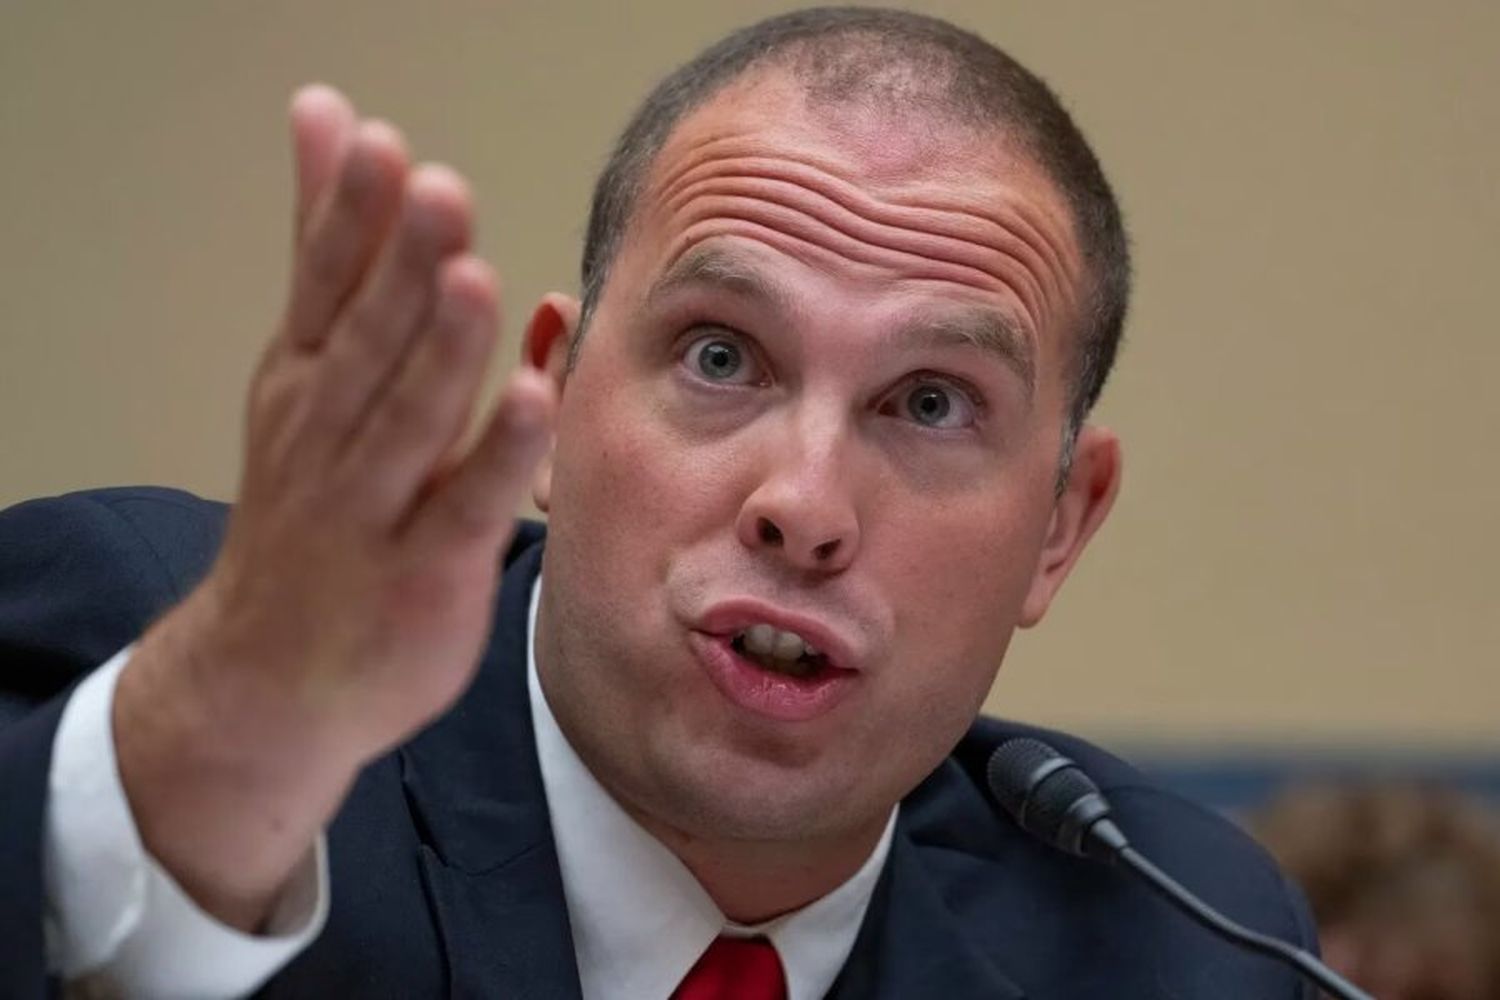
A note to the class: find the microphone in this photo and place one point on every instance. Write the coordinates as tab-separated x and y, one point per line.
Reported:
1050	797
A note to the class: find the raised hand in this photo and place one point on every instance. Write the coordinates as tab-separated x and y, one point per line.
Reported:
351	600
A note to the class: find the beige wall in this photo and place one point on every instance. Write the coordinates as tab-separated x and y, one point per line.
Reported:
1306	549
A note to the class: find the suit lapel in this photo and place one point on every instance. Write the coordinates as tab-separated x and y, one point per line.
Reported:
488	862
912	945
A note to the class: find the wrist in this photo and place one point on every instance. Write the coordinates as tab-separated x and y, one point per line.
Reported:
228	788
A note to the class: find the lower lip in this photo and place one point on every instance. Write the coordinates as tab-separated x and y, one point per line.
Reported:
776	696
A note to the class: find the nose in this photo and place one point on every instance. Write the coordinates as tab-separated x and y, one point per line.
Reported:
802	511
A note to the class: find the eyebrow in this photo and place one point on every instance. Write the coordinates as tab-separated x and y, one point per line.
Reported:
985	329
989	331
717	268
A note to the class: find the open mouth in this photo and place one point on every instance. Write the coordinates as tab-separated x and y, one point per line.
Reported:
778	651
773	671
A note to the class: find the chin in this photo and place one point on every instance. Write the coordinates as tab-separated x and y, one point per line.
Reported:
731	794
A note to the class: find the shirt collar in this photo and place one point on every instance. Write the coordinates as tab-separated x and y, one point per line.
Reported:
639	917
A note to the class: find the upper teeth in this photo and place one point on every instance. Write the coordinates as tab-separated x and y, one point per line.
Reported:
768	640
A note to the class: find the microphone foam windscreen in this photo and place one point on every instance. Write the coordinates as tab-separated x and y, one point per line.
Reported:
1037	786
1012	770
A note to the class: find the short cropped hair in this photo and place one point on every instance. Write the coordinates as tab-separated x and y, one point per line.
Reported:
920	63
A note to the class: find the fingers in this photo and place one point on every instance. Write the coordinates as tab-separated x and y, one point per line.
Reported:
322	127
478	501
427	406
366	350
393	321
345	231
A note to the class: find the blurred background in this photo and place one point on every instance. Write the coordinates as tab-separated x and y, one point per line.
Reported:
1301	572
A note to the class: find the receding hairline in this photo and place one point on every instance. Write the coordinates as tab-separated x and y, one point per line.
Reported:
1004	143
827	97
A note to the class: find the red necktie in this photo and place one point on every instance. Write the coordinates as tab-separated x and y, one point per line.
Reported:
735	969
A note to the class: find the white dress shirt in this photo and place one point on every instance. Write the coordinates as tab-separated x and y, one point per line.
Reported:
117	924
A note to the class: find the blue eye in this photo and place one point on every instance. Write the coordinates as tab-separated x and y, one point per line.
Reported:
718	358
934	404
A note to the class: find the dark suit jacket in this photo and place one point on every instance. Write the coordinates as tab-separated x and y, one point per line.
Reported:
445	878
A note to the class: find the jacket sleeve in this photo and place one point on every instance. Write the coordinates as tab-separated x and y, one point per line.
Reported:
80	577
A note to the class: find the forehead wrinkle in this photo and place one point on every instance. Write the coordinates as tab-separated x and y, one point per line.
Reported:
952	237
776	224
1012	221
1016	226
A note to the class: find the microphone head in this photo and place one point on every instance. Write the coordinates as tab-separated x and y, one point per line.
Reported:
1050	797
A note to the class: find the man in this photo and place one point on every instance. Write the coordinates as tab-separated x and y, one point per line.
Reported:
812	446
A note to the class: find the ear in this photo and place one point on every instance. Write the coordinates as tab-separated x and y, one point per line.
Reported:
549	337
550	333
1086	499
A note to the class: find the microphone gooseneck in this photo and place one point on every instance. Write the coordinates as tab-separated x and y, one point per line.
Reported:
1050	797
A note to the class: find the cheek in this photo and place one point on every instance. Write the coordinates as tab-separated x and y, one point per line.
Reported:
959	572
624	478
958	592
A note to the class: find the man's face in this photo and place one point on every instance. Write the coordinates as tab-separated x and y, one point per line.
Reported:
823	395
